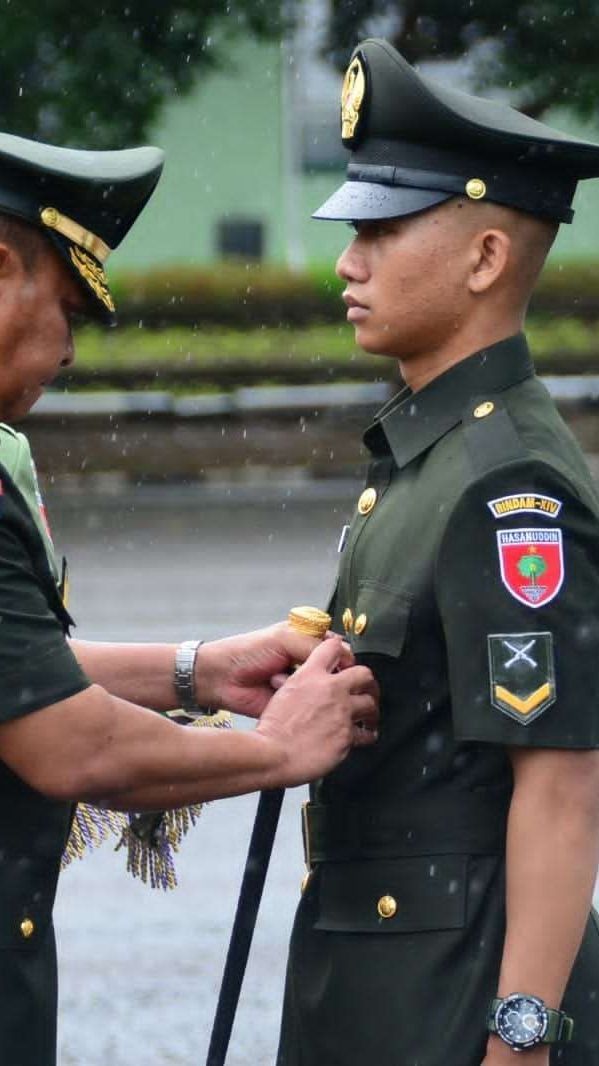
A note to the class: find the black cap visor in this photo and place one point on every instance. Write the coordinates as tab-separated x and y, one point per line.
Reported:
362	200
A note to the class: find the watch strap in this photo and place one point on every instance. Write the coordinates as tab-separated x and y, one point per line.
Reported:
184	677
559	1027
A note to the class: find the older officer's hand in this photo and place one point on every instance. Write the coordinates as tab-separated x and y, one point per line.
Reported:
242	672
318	715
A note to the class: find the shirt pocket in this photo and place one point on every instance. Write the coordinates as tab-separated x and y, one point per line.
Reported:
386	896
381	617
28	890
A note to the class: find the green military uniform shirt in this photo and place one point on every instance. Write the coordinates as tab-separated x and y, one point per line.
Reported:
37	669
470	585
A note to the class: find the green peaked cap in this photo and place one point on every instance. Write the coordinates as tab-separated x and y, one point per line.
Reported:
84	201
415	143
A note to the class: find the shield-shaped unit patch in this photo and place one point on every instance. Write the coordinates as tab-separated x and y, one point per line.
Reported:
532	564
522	674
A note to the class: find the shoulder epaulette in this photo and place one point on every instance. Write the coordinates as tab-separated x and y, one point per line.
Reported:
490	435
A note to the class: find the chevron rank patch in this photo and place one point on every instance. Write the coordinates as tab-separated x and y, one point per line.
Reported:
522	674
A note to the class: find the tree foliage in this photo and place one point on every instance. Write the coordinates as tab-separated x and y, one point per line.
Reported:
544	49
95	72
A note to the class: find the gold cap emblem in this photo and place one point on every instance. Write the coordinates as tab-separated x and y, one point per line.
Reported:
484	409
476	189
387	906
352	95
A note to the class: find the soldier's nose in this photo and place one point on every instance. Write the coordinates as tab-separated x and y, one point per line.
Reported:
351	265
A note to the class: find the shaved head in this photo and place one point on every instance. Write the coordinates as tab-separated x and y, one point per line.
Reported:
530	240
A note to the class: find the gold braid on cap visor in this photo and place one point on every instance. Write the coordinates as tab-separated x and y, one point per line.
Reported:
74	232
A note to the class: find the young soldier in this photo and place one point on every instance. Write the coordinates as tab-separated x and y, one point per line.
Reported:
74	718
447	920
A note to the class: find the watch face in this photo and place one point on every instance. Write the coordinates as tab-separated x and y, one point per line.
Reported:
521	1021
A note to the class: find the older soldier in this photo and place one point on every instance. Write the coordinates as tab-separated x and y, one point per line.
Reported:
447	916
74	718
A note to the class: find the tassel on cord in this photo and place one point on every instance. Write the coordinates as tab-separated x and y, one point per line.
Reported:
152	838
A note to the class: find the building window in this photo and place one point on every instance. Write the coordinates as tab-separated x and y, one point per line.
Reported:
240	237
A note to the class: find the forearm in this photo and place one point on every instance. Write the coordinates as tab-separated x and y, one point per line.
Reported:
211	764
140	673
552	855
551	863
102	749
221	763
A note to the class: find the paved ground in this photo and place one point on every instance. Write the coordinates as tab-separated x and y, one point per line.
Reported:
140	970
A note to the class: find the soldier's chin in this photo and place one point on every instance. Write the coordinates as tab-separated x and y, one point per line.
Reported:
375	345
26	401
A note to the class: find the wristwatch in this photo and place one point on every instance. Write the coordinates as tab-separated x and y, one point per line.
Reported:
184	680
524	1021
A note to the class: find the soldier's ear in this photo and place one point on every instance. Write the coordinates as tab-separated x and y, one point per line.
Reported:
490	255
11	262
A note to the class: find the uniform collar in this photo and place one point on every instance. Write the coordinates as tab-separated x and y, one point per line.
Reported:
412	422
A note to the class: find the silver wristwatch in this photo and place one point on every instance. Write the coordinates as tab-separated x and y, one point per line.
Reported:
184	679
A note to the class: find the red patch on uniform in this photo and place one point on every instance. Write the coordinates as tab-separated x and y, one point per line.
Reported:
532	564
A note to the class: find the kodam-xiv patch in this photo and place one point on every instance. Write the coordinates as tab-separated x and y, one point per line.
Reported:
531	502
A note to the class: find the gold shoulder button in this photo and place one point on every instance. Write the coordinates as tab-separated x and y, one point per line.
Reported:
367	501
484	409
476	189
387	906
360	624
348	619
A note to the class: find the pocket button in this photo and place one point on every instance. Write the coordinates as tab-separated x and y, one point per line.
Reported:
27	928
387	906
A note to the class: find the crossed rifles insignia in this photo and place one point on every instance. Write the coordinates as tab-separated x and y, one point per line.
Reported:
521	674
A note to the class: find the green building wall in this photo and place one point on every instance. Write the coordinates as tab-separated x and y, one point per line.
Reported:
224	149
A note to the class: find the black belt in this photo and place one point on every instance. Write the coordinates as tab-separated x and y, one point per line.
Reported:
471	823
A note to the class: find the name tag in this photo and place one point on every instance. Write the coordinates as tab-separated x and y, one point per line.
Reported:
343	539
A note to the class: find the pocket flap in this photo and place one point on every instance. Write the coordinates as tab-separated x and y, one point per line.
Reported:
381	617
28	892
392	895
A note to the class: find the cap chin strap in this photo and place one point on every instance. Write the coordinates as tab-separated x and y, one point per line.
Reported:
53	219
510	190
